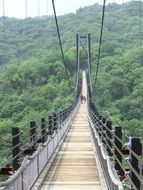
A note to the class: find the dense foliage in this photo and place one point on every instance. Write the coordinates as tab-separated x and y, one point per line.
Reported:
119	88
30	90
32	79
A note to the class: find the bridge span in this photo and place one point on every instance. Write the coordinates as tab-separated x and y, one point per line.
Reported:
76	149
76	165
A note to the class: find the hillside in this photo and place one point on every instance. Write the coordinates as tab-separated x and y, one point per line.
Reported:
29	37
32	80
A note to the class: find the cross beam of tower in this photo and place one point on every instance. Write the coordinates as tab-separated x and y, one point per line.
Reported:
83	56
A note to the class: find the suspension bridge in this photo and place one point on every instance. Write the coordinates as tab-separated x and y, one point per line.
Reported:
78	150
75	165
77	147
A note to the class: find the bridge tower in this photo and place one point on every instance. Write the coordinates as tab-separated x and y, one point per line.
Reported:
83	49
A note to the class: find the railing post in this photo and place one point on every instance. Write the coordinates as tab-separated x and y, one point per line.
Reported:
61	118
43	130
16	147
103	130
99	126
58	120
55	125
93	108
64	114
118	150
93	117
92	113
96	123
50	125
109	140
33	135
68	112
136	147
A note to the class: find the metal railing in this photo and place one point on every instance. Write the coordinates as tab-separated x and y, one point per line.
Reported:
27	161
122	161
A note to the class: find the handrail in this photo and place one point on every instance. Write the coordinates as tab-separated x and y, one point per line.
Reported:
64	125
136	162
38	134
23	165
115	181
107	160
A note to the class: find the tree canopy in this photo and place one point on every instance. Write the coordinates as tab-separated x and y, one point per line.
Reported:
32	77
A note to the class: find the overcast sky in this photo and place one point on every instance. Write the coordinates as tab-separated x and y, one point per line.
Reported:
16	8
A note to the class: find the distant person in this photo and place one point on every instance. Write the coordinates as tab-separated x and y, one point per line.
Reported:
81	98
84	99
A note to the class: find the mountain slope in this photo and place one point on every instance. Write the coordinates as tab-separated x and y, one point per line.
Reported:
32	78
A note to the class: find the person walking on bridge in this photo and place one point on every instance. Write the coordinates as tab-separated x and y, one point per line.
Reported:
81	98
84	99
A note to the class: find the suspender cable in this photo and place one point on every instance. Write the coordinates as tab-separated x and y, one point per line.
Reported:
60	42
141	56
4	30
100	41
26	11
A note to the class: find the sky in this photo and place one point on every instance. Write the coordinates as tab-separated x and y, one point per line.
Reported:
17	8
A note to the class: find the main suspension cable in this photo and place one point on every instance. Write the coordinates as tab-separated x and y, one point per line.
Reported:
4	29
141	56
100	41
60	43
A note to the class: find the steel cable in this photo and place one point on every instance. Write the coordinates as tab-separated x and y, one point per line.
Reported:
100	42
60	43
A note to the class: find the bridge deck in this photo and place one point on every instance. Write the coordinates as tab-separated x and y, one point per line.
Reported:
75	166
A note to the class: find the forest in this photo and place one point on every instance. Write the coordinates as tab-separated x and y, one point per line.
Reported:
32	76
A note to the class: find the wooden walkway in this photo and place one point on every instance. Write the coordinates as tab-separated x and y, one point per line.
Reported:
75	166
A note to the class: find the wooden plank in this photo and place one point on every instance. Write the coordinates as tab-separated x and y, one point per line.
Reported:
75	166
71	186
